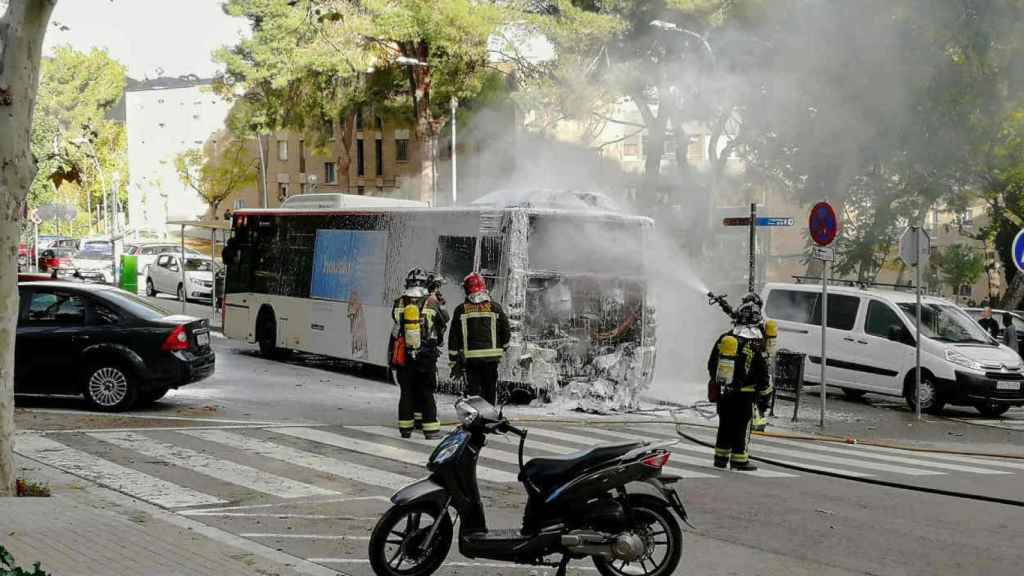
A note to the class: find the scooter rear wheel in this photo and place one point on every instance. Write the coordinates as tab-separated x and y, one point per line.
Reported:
396	545
653	521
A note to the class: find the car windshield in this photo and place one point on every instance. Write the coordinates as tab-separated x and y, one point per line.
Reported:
947	323
98	247
62	252
92	255
134	305
197	265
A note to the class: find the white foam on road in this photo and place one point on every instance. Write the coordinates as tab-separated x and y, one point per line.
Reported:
224	470
383	451
318	462
107	473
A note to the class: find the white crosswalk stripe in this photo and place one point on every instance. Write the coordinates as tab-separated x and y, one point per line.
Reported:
223	470
120	478
332	466
513	458
383	451
676	456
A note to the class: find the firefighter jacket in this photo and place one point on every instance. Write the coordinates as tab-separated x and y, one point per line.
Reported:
433	323
479	333
751	371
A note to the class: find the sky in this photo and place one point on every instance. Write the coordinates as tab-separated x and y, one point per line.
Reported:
177	36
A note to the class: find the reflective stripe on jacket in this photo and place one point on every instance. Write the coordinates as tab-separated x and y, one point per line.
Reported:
479	333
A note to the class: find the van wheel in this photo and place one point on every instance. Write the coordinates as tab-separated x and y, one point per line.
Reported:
931	401
853	395
991	409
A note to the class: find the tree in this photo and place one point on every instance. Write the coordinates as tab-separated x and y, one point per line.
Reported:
218	171
309	63
22	27
961	265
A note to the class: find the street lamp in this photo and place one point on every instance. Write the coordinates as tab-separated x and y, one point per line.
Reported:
407	61
670	27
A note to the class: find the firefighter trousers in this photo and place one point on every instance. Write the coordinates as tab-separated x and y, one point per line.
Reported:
735	411
482	380
416	402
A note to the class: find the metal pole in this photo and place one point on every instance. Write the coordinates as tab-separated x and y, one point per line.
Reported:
181	262
917	282
35	247
751	282
213	274
113	228
455	171
824	334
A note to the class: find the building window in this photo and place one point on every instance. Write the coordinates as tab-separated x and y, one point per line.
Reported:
282	150
360	158
361	190
402	150
359	120
378	156
282	191
330	173
302	156
965	291
239	204
379	122
303	188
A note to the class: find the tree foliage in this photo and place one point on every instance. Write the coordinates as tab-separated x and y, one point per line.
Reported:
960	265
217	171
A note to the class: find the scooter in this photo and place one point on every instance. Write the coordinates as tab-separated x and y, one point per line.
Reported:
577	506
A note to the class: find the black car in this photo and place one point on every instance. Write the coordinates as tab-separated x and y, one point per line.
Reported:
109	345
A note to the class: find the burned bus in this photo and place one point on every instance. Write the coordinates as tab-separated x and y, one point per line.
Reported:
321	277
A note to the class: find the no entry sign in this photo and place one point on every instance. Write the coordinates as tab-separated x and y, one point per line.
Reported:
823	224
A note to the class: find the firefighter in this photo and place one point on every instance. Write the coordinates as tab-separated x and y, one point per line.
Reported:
477	340
739	367
764	396
420	323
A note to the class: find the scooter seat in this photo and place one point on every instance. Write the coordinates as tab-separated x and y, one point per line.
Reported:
546	474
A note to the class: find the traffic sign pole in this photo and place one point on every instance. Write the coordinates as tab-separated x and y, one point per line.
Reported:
824	226
917	368
824	339
753	247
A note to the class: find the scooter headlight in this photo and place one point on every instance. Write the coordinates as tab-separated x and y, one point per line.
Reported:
448	448
466	412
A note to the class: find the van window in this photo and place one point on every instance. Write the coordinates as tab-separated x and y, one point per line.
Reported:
792	306
880	318
842	312
805	308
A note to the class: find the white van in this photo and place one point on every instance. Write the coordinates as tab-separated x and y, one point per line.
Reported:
871	347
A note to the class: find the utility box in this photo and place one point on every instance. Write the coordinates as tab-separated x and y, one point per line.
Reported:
129	280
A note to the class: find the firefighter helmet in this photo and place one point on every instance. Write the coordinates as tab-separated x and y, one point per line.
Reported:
435	280
474	284
416	278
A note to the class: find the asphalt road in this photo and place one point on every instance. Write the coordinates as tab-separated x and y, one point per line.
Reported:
302	456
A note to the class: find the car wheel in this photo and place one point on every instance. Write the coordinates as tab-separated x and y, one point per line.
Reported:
931	400
991	409
181	293
852	394
150	289
110	387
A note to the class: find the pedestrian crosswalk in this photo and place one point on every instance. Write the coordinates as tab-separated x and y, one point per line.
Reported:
201	469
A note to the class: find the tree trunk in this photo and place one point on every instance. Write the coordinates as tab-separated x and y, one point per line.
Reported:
420	80
1014	292
21	41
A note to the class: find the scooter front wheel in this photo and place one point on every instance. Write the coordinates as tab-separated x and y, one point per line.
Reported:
399	544
651	519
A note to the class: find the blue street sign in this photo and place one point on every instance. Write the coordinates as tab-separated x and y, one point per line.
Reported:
774	221
1018	250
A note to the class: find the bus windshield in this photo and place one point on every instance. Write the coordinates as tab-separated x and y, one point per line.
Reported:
569	245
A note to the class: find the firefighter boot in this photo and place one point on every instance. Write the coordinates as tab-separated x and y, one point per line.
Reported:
741	463
721	457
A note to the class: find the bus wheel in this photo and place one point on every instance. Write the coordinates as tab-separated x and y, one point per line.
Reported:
266	335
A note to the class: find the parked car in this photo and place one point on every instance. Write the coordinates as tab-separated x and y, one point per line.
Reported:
997	315
165	276
145	254
871	347
94	265
56	259
24	257
111	346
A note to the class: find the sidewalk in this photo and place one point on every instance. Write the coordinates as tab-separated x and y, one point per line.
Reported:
85	530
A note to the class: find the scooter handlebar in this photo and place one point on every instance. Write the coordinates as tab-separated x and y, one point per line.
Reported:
510	428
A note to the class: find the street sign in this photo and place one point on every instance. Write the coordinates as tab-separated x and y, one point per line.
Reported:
1018	250
774	221
823	224
736	221
824	253
914	246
